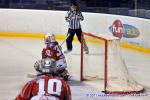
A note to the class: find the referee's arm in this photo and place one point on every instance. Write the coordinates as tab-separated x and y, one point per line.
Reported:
80	16
68	16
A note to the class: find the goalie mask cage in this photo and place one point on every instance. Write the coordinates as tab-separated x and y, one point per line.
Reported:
104	63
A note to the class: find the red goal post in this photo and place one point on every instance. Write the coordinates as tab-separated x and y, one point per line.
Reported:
109	85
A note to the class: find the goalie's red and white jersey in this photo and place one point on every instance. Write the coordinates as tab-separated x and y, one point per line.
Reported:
45	86
53	51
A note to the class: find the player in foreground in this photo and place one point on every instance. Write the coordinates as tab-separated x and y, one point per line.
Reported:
54	51
47	86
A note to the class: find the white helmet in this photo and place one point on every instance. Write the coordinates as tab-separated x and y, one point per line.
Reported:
49	38
45	66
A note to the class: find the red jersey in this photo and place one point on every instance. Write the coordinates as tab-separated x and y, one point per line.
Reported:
53	51
50	86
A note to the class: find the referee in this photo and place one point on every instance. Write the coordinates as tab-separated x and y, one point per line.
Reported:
74	17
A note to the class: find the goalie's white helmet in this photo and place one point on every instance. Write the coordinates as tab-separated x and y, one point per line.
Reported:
49	38
45	66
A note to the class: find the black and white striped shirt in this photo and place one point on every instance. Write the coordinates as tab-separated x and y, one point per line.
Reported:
74	20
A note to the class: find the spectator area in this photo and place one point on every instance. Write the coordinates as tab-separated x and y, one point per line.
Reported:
118	7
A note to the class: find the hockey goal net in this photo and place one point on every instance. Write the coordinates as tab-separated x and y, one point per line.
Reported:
104	63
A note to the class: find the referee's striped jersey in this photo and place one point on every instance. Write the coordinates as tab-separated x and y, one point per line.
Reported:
74	20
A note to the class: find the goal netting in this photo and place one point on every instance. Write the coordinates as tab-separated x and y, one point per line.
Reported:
104	63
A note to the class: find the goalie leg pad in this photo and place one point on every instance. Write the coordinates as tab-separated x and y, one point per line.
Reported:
61	64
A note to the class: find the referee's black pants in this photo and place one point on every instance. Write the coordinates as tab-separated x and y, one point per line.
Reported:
71	33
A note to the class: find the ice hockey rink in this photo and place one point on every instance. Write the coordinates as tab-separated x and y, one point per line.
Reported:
18	55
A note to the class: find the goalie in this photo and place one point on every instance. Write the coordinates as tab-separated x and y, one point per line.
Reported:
54	51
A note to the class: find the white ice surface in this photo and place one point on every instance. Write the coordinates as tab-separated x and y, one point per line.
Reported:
17	57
